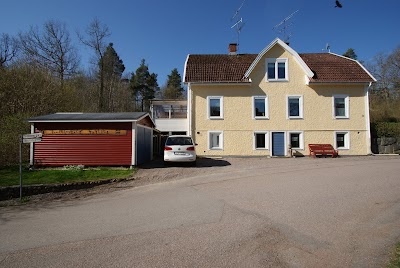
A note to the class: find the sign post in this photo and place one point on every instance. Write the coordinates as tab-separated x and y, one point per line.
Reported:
26	138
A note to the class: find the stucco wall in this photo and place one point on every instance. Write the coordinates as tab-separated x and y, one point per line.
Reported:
318	122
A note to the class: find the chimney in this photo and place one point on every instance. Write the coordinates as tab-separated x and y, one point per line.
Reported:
232	48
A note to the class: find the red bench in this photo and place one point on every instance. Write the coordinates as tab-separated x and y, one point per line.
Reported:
323	150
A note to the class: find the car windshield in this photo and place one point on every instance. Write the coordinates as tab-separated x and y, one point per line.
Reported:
179	141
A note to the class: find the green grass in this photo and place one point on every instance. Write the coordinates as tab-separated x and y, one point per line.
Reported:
395	260
10	175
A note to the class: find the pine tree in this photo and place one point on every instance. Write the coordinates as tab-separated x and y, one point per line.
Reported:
174	89
144	85
113	67
350	53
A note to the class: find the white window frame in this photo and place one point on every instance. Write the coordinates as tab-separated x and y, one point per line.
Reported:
346	140
266	108
276	61
301	139
346	103
221	102
255	140
300	97
221	139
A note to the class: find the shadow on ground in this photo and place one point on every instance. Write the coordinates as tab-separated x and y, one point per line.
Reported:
200	163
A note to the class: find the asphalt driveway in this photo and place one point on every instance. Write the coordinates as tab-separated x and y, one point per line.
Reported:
235	212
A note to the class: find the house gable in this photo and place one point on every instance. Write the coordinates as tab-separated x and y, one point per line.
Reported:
269	48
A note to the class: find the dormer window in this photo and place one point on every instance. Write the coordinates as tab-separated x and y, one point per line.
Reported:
277	70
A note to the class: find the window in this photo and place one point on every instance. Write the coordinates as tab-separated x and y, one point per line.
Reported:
260	140
295	107
277	70
215	107
341	106
296	140
342	140
260	107
216	140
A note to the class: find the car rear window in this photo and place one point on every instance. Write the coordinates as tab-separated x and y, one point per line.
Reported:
179	141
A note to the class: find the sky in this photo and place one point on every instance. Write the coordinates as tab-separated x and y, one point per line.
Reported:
164	32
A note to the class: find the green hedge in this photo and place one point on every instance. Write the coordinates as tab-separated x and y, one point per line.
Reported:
385	129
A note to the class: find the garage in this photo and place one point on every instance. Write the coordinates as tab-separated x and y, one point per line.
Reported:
92	139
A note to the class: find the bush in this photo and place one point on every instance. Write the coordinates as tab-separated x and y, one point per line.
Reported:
385	129
11	127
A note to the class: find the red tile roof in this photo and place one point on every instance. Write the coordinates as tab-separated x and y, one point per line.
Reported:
220	68
329	67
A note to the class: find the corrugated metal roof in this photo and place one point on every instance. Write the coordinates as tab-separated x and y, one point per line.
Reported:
89	117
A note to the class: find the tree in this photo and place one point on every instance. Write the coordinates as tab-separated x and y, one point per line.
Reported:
8	49
174	89
113	69
385	93
96	35
51	48
350	53
144	85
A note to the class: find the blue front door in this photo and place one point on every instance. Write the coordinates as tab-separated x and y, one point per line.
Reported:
278	143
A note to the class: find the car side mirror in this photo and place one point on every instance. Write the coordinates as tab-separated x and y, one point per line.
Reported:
195	144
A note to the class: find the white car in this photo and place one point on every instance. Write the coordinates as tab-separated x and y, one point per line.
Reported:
179	148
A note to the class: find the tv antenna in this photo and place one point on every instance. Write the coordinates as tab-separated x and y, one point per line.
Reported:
327	48
282	27
239	24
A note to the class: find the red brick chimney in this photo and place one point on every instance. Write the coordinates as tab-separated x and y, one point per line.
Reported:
232	48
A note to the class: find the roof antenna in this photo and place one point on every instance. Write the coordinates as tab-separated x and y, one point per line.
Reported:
239	22
327	48
282	27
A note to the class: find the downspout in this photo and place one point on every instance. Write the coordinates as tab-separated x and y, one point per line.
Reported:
367	119
189	110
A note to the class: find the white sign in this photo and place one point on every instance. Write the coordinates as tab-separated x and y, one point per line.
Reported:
31	140
32	136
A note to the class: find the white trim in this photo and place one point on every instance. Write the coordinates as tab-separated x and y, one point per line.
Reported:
31	146
216	83
276	62
367	119
346	108
221	139
301	137
296	56
221	106
134	133
255	140
266	107
373	78
285	141
184	68
346	139
301	115
189	110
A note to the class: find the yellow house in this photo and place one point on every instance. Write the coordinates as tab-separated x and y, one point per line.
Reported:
268	103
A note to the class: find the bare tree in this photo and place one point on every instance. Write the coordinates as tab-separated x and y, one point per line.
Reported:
8	49
51	49
96	34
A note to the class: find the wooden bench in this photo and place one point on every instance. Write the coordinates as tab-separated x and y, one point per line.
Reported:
323	150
